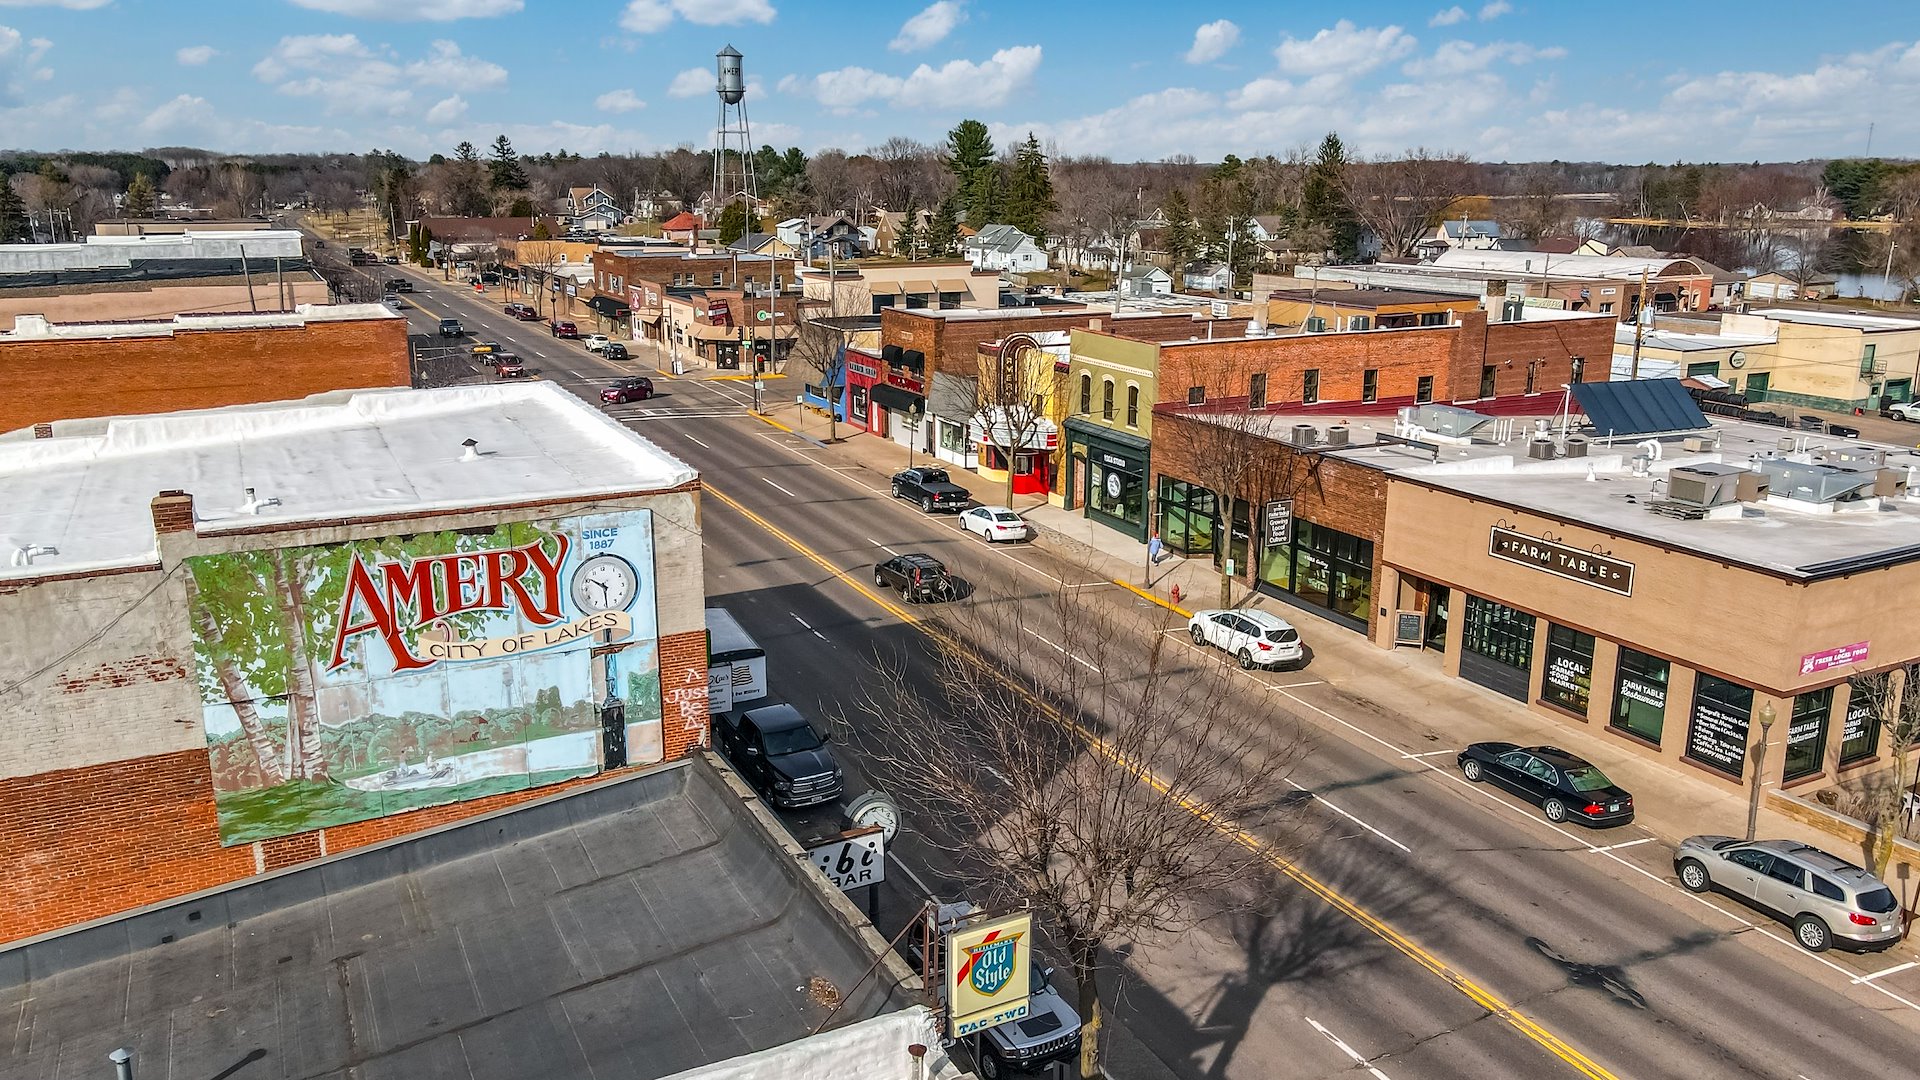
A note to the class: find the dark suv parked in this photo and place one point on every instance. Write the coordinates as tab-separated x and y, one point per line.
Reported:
917	576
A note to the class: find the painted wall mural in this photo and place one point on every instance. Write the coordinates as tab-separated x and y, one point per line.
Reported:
351	681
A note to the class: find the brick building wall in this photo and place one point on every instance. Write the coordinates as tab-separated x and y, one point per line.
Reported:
44	379
664	268
163	300
1453	357
953	344
106	789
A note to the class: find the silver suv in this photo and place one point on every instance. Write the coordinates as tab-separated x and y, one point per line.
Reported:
1828	900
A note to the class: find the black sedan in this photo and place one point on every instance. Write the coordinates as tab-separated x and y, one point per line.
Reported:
1562	785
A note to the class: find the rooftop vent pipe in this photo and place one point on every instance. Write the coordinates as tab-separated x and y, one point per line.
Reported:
472	450
24	556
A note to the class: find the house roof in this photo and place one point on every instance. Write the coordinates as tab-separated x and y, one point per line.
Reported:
1556	245
342	455
753	241
1365	298
1542	264
682	222
1000	238
1142	273
1471	227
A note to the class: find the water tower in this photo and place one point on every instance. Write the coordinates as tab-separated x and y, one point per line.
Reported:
732	142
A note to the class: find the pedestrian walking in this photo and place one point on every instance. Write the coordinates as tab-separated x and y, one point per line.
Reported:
1155	549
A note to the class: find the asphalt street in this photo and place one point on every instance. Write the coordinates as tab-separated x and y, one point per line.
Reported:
1435	929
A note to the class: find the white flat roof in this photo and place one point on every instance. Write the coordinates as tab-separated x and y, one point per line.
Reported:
37	328
1847	319
87	492
1679	341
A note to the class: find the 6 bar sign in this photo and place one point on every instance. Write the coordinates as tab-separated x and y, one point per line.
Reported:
853	859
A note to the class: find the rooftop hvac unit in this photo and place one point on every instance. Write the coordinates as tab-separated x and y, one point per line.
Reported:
1336	436
1752	487
1699	444
1576	446
1540	449
1816	482
1316	325
1704	485
1305	435
1890	483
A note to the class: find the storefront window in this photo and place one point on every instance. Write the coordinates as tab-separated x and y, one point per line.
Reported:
1807	733
1640	695
1115	492
1860	729
1186	516
1568	680
953	437
1499	632
1717	730
1321	566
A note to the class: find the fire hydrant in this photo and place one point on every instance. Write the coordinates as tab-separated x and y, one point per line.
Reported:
1174	591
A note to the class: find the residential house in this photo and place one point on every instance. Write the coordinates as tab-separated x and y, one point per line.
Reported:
759	243
1777	286
1006	249
1146	281
592	209
821	236
1466	233
1207	277
883	232
682	228
656	206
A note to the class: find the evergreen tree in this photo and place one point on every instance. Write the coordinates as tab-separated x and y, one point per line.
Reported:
1030	202
504	171
1181	242
13	214
467	183
943	232
1326	220
540	230
970	156
733	222
906	239
1212	222
141	197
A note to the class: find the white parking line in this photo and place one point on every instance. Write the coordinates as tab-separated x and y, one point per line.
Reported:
809	626
1295	685
1888	971
1323	802
1428	753
697	442
1061	650
881	546
777	487
1345	1049
575	374
1617	847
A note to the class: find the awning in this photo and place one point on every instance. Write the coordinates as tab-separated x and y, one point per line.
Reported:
883	288
918	286
892	397
951	285
608	306
648	316
710	332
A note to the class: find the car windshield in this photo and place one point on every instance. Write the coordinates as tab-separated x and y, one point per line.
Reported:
1007	516
791	740
933	476
1879	901
1587	778
1285	636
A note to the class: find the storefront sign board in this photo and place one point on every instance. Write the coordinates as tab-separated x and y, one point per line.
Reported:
1832	658
1717	737
1279	523
1560	560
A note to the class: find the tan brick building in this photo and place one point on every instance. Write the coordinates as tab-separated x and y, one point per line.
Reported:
58	371
244	639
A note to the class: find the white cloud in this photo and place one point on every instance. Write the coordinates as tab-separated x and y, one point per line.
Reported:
619	101
955	84
447	110
929	27
1461	57
195	55
1261	93
415	10
1454	14
693	82
446	65
70	5
1494	10
20	59
1345	48
1212	40
653	16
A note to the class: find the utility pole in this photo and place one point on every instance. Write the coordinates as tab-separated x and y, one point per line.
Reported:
245	273
1639	323
1886	279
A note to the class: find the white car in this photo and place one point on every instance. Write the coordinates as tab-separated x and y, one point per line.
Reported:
594	342
995	523
1253	637
392	300
1905	410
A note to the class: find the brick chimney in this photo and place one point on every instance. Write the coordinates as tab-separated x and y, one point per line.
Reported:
43	431
172	512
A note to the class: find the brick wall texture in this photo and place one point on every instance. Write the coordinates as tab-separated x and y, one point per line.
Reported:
195	369
952	345
661	268
88	842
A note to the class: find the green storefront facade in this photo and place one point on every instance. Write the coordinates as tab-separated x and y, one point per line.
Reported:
1107	474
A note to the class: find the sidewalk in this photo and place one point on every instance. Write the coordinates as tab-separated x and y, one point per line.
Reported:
1406	688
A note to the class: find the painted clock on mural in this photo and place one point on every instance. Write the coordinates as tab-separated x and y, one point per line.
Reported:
605	583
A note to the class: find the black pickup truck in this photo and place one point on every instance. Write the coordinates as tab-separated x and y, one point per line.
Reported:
932	489
781	755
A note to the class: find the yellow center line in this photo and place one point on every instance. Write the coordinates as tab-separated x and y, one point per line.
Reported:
1451	975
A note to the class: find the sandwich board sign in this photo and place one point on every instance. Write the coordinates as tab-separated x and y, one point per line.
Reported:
987	973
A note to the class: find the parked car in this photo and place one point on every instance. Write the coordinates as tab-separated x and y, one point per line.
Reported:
995	523
482	348
1564	786
1049	1032
563	329
931	488
779	753
1828	900
451	328
1902	410
916	576
391	260
509	366
616	351
523	312
594	342
489	278
395	285
1255	638
635	389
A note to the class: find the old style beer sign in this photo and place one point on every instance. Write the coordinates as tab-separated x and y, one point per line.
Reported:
1600	571
987	973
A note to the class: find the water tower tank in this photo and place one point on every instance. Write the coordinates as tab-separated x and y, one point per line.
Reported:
733	86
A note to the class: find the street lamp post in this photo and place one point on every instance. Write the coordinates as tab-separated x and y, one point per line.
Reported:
913	431
1759	766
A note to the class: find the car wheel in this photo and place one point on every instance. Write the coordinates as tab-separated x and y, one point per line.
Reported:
896	491
906	595
1694	876
880	581
1246	660
1199	635
1555	810
1471	770
926	504
991	1068
1812	934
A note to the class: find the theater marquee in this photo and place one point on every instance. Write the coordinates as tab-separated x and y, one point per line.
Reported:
1601	571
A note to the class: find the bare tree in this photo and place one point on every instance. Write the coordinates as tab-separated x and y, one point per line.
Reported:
1010	399
1231	453
821	348
1401	198
538	260
831	181
1540	209
1893	698
1104	785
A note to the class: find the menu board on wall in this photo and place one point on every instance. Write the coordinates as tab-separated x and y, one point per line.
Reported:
1717	736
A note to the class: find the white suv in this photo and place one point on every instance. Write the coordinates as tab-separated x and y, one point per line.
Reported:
594	342
1253	637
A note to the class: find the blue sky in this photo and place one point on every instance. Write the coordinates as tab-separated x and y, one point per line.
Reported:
1505	80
